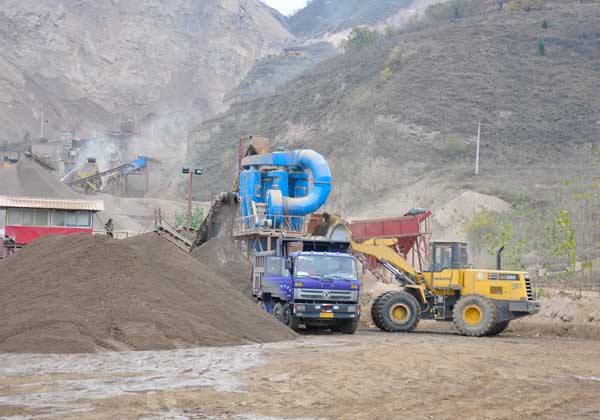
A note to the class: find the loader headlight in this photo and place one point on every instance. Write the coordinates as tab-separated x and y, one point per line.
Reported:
351	308
300	308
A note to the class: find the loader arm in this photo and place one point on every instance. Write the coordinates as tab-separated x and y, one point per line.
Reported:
380	248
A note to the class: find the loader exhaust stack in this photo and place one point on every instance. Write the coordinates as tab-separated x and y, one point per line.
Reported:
499	258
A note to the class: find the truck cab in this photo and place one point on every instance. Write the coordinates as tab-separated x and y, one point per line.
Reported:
310	282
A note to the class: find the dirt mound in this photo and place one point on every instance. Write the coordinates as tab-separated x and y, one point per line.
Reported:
84	293
562	317
222	256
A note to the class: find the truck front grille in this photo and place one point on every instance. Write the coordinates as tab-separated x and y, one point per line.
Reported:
326	295
528	288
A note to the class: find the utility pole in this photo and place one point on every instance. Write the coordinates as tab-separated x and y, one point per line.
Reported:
189	208
42	125
477	153
191	173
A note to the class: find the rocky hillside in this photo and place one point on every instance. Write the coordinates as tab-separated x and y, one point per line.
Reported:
398	120
84	62
324	16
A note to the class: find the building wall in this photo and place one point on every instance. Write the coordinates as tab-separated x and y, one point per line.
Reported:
26	225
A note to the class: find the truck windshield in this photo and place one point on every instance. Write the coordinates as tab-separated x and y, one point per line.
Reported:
327	267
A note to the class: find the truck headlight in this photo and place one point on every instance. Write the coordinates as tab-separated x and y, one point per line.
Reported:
351	308
300	308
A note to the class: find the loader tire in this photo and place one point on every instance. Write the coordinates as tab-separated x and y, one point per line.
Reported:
374	308
499	327
396	312
474	315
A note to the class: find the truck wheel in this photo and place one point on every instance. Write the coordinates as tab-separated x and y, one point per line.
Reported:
499	327
278	312
374	308
348	326
474	315
396	312
288	317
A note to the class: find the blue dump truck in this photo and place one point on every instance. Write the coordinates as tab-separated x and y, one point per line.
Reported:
309	281
302	277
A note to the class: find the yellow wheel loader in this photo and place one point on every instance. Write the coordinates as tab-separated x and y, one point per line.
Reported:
479	302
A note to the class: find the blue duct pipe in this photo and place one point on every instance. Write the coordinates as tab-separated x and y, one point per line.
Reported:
287	194
301	206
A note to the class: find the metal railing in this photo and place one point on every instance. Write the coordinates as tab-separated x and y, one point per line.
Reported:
266	224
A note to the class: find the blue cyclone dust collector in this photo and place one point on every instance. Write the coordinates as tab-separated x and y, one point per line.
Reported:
276	185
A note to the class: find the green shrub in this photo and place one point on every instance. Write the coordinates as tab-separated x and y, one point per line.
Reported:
361	37
545	24
542	48
456	146
196	219
454	9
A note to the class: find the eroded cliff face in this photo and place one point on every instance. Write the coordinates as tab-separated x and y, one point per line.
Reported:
85	62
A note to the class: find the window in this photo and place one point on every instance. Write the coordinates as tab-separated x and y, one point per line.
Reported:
71	219
274	266
58	218
41	217
327	267
28	217
13	217
83	219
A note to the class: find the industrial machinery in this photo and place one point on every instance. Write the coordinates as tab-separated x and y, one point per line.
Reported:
299	278
89	178
479	302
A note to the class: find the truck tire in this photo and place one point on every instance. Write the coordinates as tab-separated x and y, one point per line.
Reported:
499	327
348	326
396	312
288	317
474	315
374	308
278	312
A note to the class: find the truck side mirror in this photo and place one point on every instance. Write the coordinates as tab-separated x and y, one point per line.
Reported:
288	264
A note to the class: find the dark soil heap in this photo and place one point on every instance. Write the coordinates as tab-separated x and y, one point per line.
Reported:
222	256
88	293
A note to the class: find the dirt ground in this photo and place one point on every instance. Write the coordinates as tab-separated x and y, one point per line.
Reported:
371	375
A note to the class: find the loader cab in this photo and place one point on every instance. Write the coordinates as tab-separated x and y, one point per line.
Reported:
448	255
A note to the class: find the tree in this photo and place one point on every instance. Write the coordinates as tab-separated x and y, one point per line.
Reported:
362	37
451	10
196	219
545	24
542	48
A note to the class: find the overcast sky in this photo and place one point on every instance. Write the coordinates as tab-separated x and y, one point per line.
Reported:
286	6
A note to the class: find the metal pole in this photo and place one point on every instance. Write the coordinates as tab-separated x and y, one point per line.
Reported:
42	125
477	153
189	209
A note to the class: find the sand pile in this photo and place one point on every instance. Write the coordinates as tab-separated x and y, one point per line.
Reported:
222	256
84	293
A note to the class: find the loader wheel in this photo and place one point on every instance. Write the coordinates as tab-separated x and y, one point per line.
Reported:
474	315
499	327
396	312
374	308
278	312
